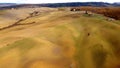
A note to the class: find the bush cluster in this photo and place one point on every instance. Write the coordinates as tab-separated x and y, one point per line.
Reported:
112	12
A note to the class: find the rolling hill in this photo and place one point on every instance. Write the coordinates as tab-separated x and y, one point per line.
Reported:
59	39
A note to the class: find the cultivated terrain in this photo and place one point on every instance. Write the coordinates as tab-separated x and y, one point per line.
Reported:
58	39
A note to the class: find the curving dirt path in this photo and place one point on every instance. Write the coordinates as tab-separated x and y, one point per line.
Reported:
18	22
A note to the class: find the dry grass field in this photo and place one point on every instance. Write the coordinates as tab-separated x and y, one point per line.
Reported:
58	39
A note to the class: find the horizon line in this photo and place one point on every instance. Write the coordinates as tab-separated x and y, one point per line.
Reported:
58	2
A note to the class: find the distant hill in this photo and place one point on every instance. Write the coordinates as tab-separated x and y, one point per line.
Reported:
71	4
74	4
116	4
6	4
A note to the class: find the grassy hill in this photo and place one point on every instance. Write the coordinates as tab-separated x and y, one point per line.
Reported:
61	39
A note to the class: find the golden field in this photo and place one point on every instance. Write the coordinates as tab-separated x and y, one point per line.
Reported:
58	39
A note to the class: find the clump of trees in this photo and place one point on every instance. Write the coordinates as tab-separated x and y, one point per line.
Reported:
75	9
112	12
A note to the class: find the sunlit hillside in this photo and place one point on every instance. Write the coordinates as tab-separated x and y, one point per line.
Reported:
58	39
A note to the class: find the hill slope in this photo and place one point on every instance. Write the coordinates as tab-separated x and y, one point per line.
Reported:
61	39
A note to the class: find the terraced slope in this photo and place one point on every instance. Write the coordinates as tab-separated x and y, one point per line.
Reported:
61	39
